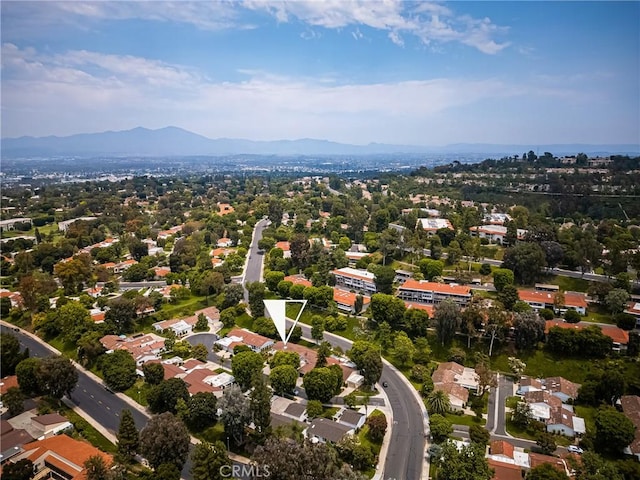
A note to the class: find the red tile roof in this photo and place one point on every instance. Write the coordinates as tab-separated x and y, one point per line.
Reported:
8	382
616	334
500	447
298	280
505	471
443	288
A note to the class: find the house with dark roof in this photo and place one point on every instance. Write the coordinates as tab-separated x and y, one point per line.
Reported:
11	440
351	418
296	411
631	409
324	430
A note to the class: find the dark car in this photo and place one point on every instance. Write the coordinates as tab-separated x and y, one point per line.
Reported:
385	384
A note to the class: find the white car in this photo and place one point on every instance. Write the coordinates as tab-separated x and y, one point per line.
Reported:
575	449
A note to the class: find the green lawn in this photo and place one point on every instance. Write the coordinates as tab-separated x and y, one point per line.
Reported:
69	349
85	430
467	420
542	364
184	308
512	402
329	412
138	392
568	283
363	436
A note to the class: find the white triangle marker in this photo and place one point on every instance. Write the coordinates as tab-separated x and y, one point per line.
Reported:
277	312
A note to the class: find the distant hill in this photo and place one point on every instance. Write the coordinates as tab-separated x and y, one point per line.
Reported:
174	141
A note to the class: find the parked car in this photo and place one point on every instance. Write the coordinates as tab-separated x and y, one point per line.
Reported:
575	449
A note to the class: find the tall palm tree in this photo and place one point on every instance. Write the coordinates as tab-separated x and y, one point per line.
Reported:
438	402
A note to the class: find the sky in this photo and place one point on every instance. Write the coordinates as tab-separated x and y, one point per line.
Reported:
352	71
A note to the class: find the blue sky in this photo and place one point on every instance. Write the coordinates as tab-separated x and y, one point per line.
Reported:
354	71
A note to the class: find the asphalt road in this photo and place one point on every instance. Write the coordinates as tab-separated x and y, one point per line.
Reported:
406	449
253	268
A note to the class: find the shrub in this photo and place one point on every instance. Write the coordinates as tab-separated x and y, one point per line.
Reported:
546	313
571	316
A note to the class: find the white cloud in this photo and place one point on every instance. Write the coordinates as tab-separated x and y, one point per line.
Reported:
81	91
428	21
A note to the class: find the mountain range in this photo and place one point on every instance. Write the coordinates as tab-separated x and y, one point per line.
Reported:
174	141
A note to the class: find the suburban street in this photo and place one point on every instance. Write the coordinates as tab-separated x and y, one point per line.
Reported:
405	456
253	267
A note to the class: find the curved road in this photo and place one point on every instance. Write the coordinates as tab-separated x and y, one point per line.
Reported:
405	455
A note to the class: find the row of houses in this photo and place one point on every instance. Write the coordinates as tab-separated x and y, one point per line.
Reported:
548	400
457	382
512	463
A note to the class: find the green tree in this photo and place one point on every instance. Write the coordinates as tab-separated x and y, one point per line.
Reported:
153	373
128	437
502	277
383	279
272	279
614	431
200	352
320	384
431	268
256	297
546	442
28	378
260	404
228	317
10	355
593	467
57	376
447	318
616	300
285	358
165	439
314	408
121	315
508	296
202	324
528	330
440	427
20	470
283	379
479	434
454	253
203	408
403	349
235	413
438	402
118	370
377	423
526	260
164	396
545	471
317	327
208	460
244	366
324	351
387	308
96	468
90	348
468	462
13	399
521	415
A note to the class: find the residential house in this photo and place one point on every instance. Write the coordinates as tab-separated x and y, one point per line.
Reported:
144	348
64	226
631	408
324	430
633	308
351	418
224	242
562	388
497	218
542	404
456	381
173	231
546	299
619	337
180	327
285	247
10	381
296	411
427	307
11	440
309	357
565	422
298	280
346	301
225	209
504	452
237	336
422	291
355	380
14	297
355	279
161	272
432	225
494	233
60	457
529	384
50	424
10	224
353	257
